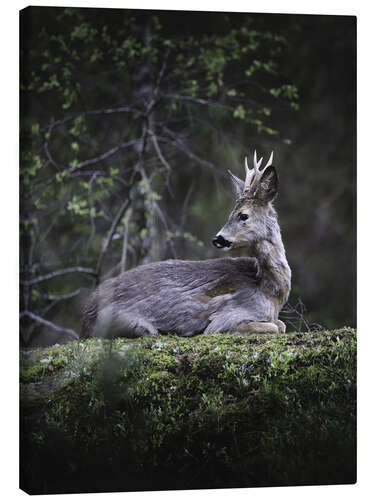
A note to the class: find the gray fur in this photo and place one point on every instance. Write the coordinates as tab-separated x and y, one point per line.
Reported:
190	297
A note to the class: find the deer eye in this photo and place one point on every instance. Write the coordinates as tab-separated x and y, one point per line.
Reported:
243	216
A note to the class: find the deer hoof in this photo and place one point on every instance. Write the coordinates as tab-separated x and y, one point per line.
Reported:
257	327
281	325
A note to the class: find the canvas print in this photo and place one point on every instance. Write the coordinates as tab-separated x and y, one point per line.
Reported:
188	242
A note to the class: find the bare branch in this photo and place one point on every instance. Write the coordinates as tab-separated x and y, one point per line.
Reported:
87	173
108	111
63	296
155	92
162	71
92	218
158	151
103	156
162	159
182	146
198	100
44	322
55	299
185	205
49	228
294	315
59	272
49	156
156	208
109	237
75	171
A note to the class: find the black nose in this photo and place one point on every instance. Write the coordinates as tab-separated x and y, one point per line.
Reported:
220	242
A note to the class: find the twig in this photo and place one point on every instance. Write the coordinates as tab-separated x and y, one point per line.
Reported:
182	146
29	265
293	314
74	170
125	240
334	372
55	299
92	217
49	228
161	158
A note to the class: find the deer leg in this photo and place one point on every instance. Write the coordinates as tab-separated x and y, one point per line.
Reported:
221	324
130	325
281	325
256	327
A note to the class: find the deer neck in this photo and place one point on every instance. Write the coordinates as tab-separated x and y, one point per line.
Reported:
276	273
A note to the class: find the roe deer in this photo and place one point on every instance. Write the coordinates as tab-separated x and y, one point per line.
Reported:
228	295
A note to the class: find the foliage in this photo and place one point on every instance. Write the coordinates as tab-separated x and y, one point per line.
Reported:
172	413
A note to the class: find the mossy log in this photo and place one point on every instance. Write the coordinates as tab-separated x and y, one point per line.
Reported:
206	412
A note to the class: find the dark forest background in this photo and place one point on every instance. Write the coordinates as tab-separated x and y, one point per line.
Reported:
129	121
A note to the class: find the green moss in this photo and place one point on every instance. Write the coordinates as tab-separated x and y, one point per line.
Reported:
211	411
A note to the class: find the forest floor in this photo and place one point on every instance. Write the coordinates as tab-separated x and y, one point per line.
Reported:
211	411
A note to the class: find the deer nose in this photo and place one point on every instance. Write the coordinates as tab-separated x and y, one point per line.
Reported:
220	242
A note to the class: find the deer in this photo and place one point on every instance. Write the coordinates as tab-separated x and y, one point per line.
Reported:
239	295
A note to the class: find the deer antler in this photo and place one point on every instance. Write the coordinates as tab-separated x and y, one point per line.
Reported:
249	173
253	175
257	164
269	163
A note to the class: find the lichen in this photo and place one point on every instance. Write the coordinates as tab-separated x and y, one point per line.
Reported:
216	410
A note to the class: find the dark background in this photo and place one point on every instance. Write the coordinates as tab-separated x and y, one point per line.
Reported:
129	120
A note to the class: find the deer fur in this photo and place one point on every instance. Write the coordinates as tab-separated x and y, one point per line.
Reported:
234	295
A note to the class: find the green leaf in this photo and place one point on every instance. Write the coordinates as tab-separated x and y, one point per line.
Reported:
212	89
35	128
239	112
275	92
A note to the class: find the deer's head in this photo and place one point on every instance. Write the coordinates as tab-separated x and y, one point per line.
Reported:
253	217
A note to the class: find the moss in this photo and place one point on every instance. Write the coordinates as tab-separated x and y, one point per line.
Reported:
211	411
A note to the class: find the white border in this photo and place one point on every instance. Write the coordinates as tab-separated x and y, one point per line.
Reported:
9	235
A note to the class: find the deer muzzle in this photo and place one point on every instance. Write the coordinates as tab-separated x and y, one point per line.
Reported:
220	242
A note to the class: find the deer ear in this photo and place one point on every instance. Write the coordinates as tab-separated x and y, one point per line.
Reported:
237	184
268	185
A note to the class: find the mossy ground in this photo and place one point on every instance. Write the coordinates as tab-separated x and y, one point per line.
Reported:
206	412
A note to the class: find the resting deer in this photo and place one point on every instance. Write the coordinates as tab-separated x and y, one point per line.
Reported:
228	295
